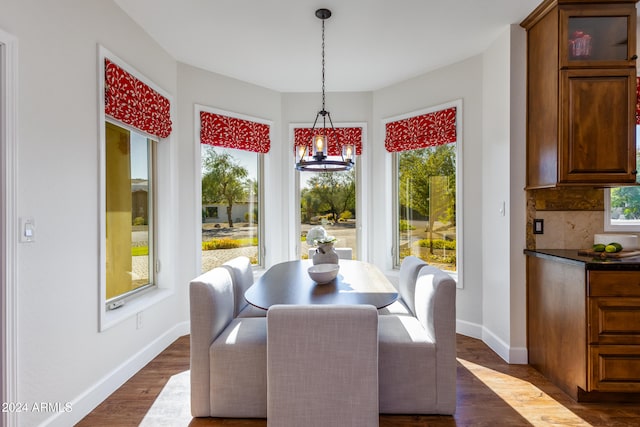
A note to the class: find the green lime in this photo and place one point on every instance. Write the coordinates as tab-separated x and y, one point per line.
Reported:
598	247
610	249
617	245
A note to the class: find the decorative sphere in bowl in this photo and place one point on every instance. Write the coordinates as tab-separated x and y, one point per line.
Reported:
323	273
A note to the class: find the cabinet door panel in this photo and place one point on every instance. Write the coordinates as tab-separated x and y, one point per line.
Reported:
600	36
597	126
614	368
614	320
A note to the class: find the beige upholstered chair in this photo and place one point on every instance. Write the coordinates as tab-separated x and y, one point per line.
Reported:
242	277
228	355
417	353
322	366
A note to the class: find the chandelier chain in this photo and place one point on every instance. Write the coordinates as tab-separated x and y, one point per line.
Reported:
323	99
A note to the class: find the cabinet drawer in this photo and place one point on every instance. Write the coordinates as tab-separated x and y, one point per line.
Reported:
613	283
614	368
614	320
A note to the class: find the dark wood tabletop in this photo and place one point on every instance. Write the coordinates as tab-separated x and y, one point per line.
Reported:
289	283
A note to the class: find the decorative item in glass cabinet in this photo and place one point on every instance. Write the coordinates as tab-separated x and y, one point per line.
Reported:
579	45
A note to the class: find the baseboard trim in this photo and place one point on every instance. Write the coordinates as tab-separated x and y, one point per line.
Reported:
96	394
511	355
518	356
469	329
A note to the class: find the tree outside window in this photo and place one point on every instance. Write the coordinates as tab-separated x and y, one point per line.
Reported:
329	199
427	205
230	204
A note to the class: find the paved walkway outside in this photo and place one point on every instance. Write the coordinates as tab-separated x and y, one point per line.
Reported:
210	260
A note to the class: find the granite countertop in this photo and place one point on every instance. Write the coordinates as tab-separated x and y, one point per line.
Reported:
570	256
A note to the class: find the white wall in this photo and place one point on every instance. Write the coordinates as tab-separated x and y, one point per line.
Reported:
462	80
196	86
495	191
503	209
518	208
61	355
491	305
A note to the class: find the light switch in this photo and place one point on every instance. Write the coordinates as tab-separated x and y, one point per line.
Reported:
27	229
538	226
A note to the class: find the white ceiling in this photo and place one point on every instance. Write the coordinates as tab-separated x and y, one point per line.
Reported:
370	44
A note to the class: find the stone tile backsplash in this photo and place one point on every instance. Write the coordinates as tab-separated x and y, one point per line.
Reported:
569	229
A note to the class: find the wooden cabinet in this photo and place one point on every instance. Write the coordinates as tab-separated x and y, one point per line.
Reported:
614	331
581	93
557	323
583	328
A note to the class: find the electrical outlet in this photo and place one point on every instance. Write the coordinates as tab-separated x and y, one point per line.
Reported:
139	320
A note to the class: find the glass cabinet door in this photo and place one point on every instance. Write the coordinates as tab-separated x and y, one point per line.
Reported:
597	36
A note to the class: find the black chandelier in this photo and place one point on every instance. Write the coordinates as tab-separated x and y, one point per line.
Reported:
318	160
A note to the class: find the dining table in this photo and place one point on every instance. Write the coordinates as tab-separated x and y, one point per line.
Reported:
288	282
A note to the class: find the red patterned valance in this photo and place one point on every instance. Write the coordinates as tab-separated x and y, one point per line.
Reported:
303	136
427	130
132	102
637	100
229	132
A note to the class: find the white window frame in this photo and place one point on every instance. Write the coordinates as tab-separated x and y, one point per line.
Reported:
8	224
361	162
164	287
621	226
457	275
198	180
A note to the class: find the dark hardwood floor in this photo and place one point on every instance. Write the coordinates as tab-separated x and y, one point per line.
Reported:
490	393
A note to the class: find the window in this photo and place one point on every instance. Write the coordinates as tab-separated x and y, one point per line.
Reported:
425	152
328	199
210	212
135	128
426	186
129	166
232	150
622	204
230	205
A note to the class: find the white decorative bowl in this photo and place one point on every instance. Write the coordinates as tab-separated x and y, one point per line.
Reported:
323	273
628	241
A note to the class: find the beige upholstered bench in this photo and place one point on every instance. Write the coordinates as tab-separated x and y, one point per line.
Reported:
417	343
242	277
228	355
